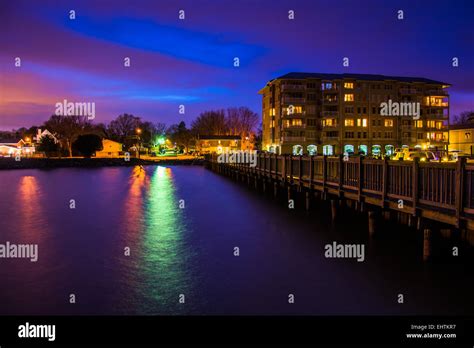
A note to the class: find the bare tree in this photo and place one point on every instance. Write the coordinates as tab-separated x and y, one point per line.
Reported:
241	121
123	126
464	117
67	128
210	123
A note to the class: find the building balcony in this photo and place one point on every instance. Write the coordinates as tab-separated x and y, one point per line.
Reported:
435	101
435	129
331	90
330	102
439	141
439	105
293	115
408	91
437	116
292	100
436	92
292	139
330	114
293	87
294	126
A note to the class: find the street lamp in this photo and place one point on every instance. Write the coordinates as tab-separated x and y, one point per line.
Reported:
138	131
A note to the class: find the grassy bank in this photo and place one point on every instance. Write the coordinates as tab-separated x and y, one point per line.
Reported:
29	163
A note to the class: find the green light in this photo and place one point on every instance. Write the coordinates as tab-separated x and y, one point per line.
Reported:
160	140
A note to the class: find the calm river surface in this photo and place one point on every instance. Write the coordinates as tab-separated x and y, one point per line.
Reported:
190	251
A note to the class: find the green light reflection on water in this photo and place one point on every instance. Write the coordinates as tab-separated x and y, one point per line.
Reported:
165	254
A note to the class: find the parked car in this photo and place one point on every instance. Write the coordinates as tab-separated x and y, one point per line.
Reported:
169	152
400	154
424	156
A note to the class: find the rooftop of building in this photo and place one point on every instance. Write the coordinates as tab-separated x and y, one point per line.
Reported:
10	141
360	77
461	126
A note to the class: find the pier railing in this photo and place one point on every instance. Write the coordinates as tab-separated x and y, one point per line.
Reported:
446	189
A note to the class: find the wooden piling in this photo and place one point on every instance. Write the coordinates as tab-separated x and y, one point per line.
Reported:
372	222
418	223
426	244
334	204
445	232
308	199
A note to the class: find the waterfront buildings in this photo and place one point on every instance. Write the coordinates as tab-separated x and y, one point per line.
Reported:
110	148
218	143
16	147
461	139
330	114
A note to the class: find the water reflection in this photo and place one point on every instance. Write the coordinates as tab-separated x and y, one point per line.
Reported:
153	228
134	204
164	252
30	216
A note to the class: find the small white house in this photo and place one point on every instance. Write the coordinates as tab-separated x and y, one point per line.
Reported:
40	134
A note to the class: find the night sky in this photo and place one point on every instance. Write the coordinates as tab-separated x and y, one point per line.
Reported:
190	61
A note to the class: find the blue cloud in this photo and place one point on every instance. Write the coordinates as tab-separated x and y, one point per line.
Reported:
207	48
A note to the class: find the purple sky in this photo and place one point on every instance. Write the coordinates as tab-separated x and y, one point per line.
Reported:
190	61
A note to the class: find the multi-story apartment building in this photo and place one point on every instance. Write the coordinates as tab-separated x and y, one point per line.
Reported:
315	113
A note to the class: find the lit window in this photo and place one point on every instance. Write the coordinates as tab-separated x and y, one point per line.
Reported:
328	150
272	112
293	110
297	122
272	124
327	85
349	122
419	124
388	123
349	97
364	122
348	85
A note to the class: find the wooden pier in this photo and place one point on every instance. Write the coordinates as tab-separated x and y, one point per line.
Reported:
422	191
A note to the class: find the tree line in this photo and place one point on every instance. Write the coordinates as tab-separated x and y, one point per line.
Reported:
129	129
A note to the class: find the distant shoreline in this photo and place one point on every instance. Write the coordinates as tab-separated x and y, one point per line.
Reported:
47	163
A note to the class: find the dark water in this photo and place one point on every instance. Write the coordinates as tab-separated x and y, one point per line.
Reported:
190	251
